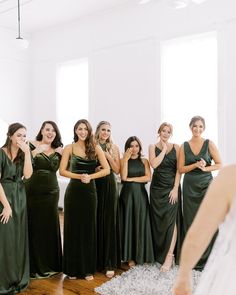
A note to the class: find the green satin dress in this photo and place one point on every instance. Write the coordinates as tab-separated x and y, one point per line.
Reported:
164	215
42	193
14	256
80	226
108	237
195	185
136	237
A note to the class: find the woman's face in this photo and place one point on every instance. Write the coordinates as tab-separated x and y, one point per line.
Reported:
134	146
82	131
18	136
48	133
165	134
105	132
197	128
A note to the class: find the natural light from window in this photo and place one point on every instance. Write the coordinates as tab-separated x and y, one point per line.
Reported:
189	84
72	96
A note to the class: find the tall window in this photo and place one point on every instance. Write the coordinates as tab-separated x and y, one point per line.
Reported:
189	83
72	96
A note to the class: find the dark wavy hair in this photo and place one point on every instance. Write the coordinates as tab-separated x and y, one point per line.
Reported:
89	141
57	140
12	129
130	140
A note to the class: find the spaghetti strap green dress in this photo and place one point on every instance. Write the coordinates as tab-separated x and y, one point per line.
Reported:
136	236
164	215
108	234
14	256
42	193
195	185
80	226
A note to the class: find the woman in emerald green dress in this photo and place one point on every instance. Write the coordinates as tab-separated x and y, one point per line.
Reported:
15	163
136	238
108	255
195	160
165	197
79	161
42	192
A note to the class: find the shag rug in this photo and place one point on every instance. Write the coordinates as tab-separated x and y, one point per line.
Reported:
143	280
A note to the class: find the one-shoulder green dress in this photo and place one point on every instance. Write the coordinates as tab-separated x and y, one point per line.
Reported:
195	185
14	256
42	193
164	215
136	237
108	234
80	226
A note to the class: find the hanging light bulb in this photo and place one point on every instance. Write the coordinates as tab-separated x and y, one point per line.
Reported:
21	43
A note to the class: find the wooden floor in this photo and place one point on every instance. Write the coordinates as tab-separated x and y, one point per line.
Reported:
61	285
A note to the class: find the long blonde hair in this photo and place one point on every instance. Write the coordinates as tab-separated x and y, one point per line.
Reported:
109	142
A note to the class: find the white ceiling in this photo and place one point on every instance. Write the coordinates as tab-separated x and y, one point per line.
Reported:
40	14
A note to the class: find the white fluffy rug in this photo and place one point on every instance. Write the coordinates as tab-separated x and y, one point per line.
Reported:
143	280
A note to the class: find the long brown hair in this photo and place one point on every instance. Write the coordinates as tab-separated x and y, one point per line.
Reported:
89	141
12	130
57	140
130	140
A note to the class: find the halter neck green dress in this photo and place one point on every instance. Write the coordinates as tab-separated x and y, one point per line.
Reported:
80	226
14	256
195	185
136	237
164	215
42	192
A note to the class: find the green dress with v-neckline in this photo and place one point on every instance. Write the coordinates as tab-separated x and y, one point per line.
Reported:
195	185
42	192
14	255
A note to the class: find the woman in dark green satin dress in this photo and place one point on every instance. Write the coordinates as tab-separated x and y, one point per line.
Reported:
136	238
195	160
165	197
15	163
78	163
108	255
42	193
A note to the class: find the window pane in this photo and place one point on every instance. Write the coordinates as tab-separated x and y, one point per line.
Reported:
189	84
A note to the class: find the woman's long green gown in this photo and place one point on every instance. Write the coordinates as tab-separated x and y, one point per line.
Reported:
80	226
136	237
14	256
164	215
108	235
42	193
195	185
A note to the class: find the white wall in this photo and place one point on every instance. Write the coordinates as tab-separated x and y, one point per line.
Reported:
123	50
15	84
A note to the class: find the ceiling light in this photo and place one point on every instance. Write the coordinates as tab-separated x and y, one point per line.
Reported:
21	43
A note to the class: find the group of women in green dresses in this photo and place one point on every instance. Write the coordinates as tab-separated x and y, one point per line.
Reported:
101	228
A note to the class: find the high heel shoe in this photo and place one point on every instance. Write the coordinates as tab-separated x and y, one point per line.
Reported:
169	263
110	274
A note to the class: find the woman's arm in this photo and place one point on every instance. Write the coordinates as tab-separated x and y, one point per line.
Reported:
145	178
173	196
27	169
65	163
115	160
124	164
186	168
6	211
154	160
211	213
103	162
215	156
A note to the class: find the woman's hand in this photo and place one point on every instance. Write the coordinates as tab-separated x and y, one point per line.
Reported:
182	286
85	178
59	150
6	214
127	154
98	168
23	145
164	145
173	196
201	164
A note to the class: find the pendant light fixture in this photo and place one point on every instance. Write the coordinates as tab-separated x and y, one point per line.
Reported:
21	43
